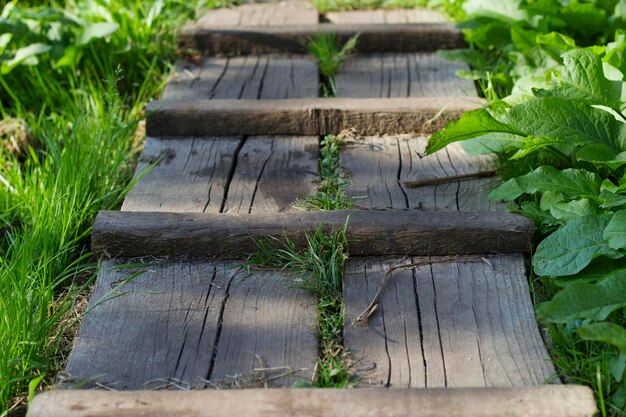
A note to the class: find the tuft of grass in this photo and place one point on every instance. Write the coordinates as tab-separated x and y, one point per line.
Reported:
318	269
330	55
331	190
325	6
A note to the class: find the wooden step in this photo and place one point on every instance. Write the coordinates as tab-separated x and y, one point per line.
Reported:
370	233
542	401
384	172
305	117
388	16
159	324
443	322
255	40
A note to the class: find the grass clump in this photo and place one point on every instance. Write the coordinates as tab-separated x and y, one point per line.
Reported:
318	269
330	55
326	6
332	185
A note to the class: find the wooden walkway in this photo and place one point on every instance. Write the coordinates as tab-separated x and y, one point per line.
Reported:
231	147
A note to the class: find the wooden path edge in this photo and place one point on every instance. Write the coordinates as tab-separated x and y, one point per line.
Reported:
305	117
539	401
369	233
249	40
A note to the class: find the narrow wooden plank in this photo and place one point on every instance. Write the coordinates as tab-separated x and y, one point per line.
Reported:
253	77
164	325
391	16
258	14
455	322
272	173
402	75
542	401
370	233
258	40
185	175
306	117
380	166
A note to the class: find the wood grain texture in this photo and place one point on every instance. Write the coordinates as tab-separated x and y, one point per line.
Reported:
391	16
370	232
306	117
444	324
379	166
214	175
257	14
402	75
251	77
541	401
163	325
258	40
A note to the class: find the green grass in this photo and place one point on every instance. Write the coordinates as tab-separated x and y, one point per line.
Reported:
329	55
318	269
325	6
82	98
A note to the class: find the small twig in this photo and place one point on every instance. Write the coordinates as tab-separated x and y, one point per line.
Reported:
373	305
435	181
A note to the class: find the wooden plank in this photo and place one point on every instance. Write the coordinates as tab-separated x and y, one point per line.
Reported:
167	324
272	173
258	40
234	175
252	77
402	75
306	117
256	14
370	233
391	16
380	166
542	401
453	322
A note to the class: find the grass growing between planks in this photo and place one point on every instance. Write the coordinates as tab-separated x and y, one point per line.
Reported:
330	55
317	269
326	6
75	78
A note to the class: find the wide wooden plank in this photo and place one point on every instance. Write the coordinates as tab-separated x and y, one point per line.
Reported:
214	175
380	166
251	77
542	401
370	233
257	40
391	16
171	324
306	117
402	75
444	322
258	14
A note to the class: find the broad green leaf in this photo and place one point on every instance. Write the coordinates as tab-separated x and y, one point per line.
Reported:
584	78
533	144
549	199
595	152
615	232
470	125
573	121
97	31
492	143
503	10
597	269
611	333
616	52
24	54
557	40
470	56
573	209
617	366
572	183
573	246
586	301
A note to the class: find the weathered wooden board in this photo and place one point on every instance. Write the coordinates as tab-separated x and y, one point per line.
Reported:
256	14
305	117
455	322
171	324
541	401
257	40
402	75
249	77
391	16
378	168
234	175
370	232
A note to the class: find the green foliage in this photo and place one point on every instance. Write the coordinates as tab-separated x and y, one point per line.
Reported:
330	55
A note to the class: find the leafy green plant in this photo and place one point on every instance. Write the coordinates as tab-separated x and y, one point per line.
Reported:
330	55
